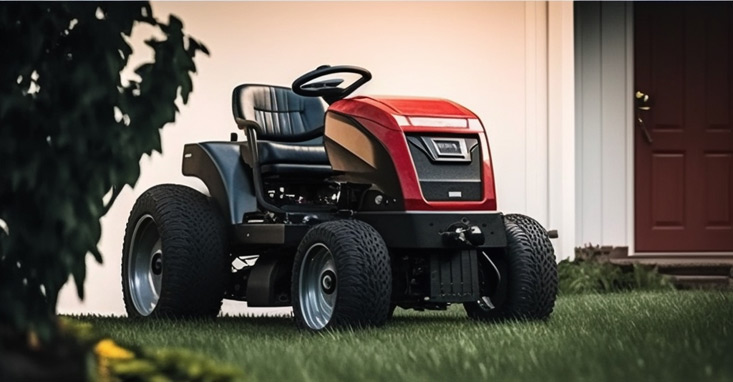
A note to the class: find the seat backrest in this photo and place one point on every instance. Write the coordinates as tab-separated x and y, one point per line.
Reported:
281	114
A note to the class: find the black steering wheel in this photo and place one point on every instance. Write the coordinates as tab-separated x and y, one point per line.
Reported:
329	89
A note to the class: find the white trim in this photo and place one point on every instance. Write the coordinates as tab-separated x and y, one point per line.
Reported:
536	123
561	125
630	212
530	89
579	194
401	120
438	122
603	114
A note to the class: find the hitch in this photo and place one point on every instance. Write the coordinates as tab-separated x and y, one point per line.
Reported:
464	233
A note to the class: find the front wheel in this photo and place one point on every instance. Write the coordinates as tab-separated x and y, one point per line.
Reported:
521	283
175	258
341	277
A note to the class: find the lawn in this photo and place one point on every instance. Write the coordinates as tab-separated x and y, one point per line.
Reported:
664	336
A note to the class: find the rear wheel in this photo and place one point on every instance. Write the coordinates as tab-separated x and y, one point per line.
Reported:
175	259
341	277
522	282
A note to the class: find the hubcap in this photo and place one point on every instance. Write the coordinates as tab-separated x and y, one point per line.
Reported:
157	263
328	282
145	265
317	286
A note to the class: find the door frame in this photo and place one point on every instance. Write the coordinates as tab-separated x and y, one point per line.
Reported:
630	125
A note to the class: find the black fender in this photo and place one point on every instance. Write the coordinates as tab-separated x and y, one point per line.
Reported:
269	280
228	178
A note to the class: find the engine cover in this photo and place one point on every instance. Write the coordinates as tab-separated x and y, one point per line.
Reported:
423	154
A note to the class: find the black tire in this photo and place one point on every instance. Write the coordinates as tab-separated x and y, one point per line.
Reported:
528	285
193	263
361	270
547	263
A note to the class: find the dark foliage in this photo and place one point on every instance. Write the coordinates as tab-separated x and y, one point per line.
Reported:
592	272
71	132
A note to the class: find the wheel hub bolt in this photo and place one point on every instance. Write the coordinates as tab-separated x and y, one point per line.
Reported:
328	282
157	264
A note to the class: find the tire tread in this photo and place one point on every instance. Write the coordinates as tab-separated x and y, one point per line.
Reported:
363	272
532	274
194	241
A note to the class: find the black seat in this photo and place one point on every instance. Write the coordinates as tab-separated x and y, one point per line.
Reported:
289	130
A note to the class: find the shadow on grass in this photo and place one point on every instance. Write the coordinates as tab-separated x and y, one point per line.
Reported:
273	321
264	325
426	319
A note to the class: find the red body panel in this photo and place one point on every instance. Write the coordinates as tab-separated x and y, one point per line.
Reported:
377	115
423	107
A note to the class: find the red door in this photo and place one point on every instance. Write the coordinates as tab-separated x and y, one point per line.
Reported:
683	59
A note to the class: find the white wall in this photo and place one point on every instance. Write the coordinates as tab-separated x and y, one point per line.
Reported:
490	57
603	113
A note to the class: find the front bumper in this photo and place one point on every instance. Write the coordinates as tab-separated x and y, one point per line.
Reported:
422	229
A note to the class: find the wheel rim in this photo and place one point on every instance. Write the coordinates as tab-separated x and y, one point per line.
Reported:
317	286
145	265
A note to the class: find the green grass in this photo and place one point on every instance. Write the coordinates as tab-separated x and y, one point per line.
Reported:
663	336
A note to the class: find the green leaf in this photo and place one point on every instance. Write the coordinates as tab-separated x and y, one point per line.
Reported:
61	147
186	88
79	271
194	46
174	23
97	255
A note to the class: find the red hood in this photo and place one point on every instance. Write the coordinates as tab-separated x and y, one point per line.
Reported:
423	107
384	110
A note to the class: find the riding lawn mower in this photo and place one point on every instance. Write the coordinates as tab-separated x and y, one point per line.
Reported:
343	213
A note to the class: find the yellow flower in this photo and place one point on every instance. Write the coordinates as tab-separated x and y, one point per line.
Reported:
109	349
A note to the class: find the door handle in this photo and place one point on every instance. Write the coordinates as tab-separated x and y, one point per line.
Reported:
642	103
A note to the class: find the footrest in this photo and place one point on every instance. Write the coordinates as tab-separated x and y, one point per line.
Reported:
454	276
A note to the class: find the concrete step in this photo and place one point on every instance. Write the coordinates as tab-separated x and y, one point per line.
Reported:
712	267
687	272
696	270
706	282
